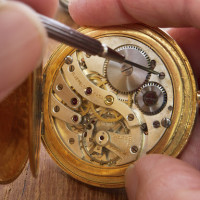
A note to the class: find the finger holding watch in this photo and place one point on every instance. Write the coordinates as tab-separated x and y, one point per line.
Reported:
156	176
23	39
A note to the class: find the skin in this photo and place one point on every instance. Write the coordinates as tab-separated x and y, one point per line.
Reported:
22	47
156	176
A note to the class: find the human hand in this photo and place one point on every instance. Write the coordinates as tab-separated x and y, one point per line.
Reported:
22	40
156	177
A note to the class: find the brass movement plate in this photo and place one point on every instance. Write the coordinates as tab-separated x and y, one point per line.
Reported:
101	116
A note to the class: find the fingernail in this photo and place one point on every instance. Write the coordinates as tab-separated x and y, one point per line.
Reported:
22	43
131	182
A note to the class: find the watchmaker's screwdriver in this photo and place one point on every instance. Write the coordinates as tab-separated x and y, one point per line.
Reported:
71	37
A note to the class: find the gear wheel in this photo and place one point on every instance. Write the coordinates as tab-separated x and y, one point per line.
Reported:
151	98
124	78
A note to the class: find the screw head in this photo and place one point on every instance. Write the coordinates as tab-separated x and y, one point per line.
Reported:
144	127
71	140
88	91
166	122
68	60
89	127
56	109
130	117
134	149
162	75
59	87
74	101
170	108
126	70
156	124
71	68
153	63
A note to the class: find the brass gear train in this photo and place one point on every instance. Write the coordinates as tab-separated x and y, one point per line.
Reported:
102	82
100	113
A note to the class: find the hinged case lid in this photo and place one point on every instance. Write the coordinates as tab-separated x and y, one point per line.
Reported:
35	122
20	128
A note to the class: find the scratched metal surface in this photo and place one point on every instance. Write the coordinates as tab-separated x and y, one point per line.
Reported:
52	183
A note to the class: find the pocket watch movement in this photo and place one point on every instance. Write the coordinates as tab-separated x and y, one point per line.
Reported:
99	116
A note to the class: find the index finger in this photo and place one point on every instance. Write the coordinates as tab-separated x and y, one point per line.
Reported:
46	7
163	13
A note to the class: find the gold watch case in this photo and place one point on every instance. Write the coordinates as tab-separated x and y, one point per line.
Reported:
99	120
96	117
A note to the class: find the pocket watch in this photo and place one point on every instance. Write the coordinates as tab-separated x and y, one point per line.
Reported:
98	116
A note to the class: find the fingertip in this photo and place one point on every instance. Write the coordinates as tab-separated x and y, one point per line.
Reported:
131	181
73	8
99	13
193	194
23	38
45	7
135	172
154	175
82	12
165	13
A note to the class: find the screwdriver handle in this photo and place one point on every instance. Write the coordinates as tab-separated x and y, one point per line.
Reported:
71	37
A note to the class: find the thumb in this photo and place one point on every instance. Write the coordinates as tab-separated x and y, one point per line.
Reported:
161	177
22	39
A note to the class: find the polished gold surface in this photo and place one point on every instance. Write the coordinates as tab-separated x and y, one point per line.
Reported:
198	98
107	130
14	132
35	122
